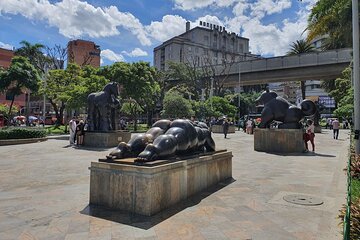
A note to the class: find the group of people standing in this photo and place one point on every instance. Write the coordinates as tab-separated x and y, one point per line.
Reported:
77	131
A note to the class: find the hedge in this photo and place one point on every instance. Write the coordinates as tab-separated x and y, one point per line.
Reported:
21	133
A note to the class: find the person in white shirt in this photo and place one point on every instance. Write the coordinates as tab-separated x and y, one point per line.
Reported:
72	129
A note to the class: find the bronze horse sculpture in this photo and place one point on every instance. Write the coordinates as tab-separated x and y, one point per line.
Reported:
164	139
101	106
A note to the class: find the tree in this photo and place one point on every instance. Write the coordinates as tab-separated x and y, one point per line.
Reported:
176	106
343	94
139	84
68	88
19	77
298	47
34	53
332	18
220	106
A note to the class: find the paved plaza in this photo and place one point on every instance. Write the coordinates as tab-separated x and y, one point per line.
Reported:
44	194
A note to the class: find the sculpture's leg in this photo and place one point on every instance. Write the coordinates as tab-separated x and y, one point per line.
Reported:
90	117
266	118
209	143
104	119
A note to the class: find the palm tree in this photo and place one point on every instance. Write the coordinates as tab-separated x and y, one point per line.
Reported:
33	53
299	47
332	18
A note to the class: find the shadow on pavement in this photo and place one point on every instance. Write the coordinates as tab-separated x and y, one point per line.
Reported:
305	154
147	222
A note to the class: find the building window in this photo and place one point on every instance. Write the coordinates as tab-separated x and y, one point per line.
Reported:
94	54
241	47
189	49
206	40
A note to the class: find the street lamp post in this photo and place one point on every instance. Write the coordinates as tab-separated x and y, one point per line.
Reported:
355	25
239	91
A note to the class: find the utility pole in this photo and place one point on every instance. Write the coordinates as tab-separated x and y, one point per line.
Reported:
239	90
355	25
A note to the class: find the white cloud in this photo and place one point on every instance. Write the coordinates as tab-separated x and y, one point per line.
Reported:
112	56
170	26
240	7
191	4
195	4
75	18
267	7
6	46
271	39
137	52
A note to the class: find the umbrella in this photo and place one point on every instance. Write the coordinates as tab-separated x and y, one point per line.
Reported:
19	118
32	118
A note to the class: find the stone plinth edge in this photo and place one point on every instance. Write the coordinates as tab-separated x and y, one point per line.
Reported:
148	190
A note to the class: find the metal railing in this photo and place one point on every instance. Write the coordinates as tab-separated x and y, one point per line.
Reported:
346	221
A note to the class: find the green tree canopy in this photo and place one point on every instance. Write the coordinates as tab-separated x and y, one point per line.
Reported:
220	106
139	83
21	76
176	106
69	88
332	18
34	53
344	95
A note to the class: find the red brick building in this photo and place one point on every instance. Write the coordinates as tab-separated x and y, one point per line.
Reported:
83	53
5	61
5	57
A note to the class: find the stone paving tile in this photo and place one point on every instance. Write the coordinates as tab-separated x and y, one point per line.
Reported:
44	193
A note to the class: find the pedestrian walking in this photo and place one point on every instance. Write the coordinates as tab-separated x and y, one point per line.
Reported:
225	127
310	135
80	133
72	129
335	127
249	126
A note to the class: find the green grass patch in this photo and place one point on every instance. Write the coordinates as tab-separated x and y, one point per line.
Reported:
140	128
56	129
355	189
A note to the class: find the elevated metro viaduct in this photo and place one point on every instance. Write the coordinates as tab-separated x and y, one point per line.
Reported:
308	66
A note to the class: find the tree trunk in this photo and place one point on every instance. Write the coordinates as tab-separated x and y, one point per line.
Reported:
302	87
10	108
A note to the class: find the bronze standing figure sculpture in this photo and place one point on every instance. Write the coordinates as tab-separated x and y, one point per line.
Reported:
101	108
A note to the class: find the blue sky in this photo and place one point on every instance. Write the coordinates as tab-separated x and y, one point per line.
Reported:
128	30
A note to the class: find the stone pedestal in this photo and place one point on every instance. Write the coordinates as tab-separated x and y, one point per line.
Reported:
147	190
105	139
219	129
278	140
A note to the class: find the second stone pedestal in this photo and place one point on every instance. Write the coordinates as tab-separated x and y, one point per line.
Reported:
278	140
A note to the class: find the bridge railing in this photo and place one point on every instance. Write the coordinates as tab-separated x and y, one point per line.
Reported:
300	60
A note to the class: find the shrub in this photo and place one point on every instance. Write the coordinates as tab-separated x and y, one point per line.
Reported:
21	133
354	220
